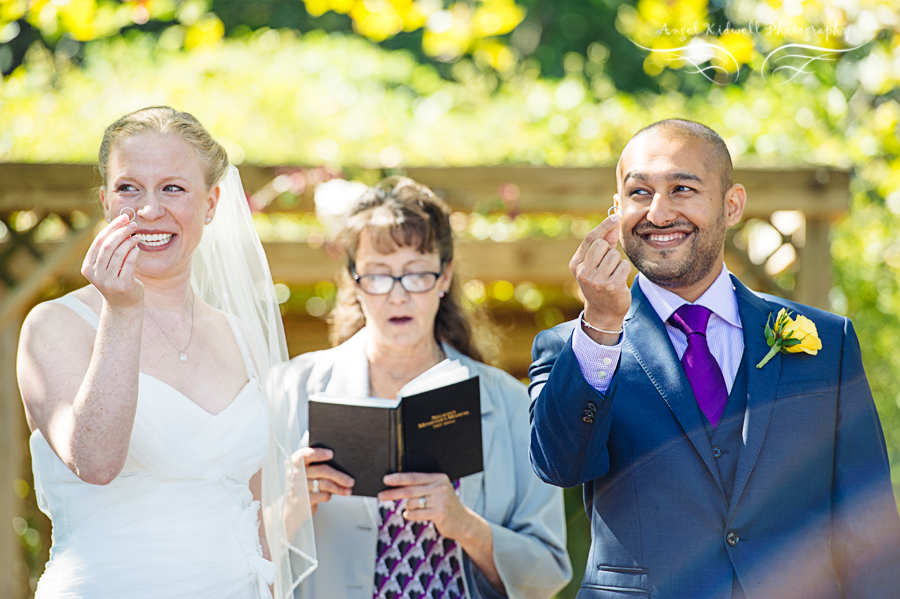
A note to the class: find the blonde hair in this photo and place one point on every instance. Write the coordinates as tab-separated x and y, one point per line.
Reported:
399	212
162	119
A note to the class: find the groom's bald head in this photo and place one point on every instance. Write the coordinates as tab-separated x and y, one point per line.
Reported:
718	159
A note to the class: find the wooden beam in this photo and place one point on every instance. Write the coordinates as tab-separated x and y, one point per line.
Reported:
305	334
543	262
818	192
814	276
541	189
538	261
63	188
67	253
10	421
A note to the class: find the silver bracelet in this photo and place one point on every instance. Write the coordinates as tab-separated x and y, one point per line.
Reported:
593	328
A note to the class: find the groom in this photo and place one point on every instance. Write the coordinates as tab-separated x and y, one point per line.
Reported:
704	475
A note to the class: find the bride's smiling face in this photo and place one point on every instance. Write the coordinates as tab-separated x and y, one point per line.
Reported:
161	179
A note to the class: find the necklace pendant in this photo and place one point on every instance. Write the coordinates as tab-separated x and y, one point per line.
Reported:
183	357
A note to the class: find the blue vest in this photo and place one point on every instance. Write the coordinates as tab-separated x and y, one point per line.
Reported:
727	439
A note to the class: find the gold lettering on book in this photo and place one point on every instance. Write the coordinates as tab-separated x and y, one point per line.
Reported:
445	419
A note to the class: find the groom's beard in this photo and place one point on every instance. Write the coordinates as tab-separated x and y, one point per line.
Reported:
703	248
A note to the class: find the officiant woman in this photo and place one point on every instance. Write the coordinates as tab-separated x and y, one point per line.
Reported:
499	533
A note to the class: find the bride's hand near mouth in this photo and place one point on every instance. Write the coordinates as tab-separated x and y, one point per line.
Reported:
109	264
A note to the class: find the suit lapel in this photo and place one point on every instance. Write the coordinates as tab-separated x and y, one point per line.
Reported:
761	383
648	340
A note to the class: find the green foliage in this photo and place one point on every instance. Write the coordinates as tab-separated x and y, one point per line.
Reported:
280	98
867	287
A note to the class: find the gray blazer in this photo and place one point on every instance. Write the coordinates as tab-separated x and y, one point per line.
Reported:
525	515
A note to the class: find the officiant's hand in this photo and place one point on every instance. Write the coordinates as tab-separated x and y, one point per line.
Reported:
330	481
602	275
431	497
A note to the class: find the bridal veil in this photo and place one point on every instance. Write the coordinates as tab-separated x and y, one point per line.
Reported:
230	272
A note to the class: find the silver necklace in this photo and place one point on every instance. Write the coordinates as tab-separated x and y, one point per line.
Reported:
190	335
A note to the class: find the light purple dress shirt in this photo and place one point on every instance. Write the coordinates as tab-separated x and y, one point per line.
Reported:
724	333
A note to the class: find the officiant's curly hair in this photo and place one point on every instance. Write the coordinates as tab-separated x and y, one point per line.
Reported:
397	213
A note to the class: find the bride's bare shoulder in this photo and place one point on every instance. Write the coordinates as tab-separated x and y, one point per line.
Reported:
53	320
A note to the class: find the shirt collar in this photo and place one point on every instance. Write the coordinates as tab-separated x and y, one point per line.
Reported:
720	298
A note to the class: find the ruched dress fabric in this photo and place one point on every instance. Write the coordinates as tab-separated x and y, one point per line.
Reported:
179	521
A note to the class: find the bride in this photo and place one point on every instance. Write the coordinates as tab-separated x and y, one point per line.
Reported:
155	452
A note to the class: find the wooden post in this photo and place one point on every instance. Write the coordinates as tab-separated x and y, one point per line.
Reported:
814	276
10	423
68	253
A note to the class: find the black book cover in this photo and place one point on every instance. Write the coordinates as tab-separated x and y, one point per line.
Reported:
438	430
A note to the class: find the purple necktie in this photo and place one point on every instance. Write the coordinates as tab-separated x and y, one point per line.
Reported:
701	368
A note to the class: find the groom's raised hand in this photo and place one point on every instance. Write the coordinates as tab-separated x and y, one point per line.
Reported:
602	274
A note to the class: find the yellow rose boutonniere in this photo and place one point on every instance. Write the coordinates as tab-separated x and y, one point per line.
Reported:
791	336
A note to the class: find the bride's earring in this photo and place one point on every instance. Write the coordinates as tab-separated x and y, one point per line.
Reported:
208	220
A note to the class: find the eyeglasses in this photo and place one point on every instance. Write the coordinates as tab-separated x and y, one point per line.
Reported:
412	282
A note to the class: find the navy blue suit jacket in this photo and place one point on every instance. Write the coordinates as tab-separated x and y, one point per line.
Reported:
812	509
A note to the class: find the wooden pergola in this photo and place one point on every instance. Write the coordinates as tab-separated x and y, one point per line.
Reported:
61	196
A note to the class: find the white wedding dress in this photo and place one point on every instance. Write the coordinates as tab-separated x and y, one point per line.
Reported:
179	521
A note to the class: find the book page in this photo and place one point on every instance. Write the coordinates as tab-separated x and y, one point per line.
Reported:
441	374
349	400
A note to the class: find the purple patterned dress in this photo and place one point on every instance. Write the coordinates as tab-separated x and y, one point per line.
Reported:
413	560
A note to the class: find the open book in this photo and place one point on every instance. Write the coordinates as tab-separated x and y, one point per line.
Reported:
434	425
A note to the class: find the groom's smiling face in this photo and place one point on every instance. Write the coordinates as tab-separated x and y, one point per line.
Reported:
674	209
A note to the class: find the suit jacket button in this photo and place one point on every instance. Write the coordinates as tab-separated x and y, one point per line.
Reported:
717	452
588	418
732	539
592	407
